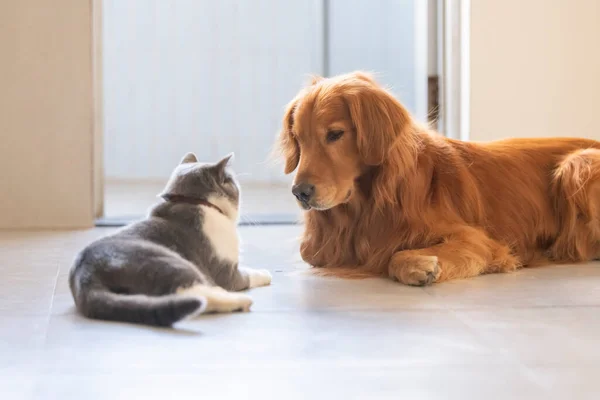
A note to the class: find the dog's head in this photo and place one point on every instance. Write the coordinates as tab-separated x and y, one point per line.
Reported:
334	130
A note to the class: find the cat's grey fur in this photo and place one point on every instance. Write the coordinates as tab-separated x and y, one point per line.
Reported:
180	261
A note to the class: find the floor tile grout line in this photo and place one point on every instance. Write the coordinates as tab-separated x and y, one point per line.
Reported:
56	278
38	359
429	309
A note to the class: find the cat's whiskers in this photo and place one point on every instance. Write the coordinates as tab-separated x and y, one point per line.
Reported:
248	220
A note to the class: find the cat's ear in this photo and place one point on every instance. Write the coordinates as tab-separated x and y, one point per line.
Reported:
224	162
189	158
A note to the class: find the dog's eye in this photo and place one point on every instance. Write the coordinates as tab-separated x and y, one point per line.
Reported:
332	136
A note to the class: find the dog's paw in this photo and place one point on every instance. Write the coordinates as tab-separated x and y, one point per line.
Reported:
259	277
414	269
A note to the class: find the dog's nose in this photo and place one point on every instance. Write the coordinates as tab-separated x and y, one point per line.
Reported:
303	191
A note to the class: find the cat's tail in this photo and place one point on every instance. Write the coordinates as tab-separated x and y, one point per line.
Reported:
141	309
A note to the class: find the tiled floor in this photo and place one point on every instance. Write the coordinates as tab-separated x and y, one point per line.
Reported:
534	334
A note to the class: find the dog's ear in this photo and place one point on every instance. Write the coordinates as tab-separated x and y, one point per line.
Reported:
378	118
314	79
288	146
364	76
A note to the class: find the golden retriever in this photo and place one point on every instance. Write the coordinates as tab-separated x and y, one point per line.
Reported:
387	196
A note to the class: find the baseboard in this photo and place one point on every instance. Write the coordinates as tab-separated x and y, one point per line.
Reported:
245	220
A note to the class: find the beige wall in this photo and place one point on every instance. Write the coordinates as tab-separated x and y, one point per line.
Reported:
535	68
46	114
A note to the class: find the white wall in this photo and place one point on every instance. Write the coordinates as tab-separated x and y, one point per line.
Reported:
205	76
380	36
535	68
214	76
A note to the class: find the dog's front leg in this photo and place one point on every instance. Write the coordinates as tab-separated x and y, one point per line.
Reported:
463	253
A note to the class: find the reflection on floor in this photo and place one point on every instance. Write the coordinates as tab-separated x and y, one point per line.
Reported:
132	199
534	334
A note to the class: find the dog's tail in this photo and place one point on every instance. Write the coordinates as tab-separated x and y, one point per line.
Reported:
99	303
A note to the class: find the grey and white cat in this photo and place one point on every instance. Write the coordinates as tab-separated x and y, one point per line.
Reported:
181	261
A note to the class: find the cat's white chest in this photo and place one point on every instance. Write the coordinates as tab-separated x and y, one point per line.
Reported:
222	234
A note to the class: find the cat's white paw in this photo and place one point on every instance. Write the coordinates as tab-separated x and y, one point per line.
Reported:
243	303
222	301
259	277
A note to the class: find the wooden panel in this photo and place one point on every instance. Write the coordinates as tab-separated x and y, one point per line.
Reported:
46	114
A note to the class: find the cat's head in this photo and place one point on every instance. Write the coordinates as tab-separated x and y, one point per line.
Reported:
214	183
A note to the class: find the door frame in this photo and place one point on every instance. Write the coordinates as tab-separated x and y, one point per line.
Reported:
451	47
98	112
453	65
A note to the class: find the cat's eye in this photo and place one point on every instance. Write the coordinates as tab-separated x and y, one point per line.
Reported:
332	136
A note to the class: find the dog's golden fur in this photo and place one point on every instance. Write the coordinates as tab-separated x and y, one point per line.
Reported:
394	198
